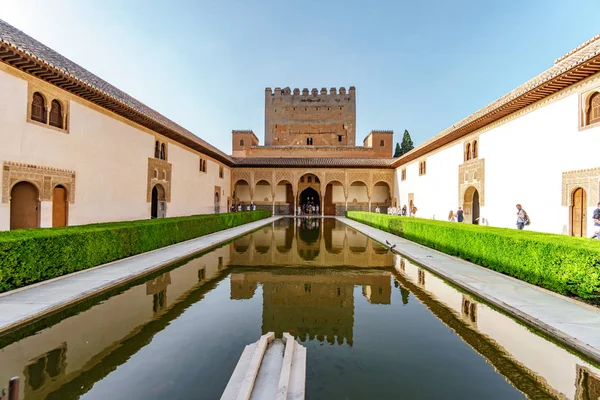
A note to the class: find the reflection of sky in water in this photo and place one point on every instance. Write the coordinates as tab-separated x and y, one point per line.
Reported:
371	331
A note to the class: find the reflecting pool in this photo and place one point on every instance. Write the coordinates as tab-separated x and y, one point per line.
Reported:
375	326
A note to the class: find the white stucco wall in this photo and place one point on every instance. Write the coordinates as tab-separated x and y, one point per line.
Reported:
525	157
109	157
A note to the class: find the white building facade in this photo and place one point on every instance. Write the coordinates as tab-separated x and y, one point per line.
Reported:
75	150
538	146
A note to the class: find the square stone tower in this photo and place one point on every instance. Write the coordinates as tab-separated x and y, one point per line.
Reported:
317	118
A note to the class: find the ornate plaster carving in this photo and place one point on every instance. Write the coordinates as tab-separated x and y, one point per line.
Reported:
44	178
162	177
472	173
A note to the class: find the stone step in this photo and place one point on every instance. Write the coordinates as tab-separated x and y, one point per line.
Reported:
269	369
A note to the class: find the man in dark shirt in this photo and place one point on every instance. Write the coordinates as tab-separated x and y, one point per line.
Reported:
459	215
596	217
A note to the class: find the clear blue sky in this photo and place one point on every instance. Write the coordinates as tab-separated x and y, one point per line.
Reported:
417	65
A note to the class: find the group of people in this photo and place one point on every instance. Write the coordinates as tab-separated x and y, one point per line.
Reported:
240	207
404	211
308	208
457	216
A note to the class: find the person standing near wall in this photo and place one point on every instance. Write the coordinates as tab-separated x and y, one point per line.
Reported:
460	217
451	216
596	218
521	217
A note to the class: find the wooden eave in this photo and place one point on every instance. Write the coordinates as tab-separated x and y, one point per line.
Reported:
537	93
31	65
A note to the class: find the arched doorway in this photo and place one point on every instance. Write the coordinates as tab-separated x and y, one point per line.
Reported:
471	206
24	206
59	206
241	193
578	213
159	205
334	194
217	202
381	197
309	199
284	198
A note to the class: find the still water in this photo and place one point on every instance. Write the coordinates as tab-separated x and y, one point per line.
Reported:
375	327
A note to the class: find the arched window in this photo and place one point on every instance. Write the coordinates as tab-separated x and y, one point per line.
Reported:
468	152
56	114
594	110
38	108
157	150
475	149
163	153
241	142
381	143
164	175
155	173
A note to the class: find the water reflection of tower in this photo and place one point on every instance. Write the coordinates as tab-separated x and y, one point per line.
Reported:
309	309
312	304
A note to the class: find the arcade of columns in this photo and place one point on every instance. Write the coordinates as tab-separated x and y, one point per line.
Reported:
345	177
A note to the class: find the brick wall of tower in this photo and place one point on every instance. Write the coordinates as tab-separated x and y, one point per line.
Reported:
327	118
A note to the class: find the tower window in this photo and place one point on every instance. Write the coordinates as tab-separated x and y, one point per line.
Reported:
340	138
381	143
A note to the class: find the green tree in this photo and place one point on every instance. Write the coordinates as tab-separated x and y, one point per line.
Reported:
398	151
407	143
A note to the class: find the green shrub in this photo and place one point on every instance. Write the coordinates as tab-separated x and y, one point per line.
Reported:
32	255
564	264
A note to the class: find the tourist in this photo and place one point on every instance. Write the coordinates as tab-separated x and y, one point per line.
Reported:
451	216
521	217
317	208
459	215
413	211
404	210
596	218
240	207
253	207
377	209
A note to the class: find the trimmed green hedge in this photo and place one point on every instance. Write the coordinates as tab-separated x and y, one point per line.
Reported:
32	255
563	264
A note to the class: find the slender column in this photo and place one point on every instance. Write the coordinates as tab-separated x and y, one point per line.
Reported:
369	205
273	213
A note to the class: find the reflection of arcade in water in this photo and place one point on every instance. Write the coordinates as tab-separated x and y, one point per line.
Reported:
313	303
309	241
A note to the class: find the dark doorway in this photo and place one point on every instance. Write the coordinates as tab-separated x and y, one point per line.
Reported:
158	202
309	198
24	206
476	207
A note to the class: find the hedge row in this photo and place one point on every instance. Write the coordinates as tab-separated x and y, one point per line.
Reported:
563	264
33	255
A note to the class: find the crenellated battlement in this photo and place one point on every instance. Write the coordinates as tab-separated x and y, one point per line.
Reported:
313	94
318	117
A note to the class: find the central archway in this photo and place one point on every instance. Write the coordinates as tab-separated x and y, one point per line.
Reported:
309	198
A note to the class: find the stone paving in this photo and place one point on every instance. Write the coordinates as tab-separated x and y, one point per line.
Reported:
572	322
32	302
